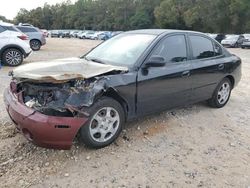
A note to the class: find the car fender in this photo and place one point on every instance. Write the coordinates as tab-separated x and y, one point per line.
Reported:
12	46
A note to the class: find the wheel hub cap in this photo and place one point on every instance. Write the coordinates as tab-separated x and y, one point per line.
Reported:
223	93
104	124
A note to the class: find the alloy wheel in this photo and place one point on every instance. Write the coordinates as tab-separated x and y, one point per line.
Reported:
35	45
13	57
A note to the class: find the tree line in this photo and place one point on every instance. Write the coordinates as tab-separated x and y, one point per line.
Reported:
217	16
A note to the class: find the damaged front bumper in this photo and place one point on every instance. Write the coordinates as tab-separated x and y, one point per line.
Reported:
43	130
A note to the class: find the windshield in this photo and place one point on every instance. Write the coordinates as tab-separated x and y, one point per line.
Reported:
124	49
232	37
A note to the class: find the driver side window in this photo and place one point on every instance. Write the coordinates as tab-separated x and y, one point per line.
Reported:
172	49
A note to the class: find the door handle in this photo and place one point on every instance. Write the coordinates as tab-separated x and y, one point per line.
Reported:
221	66
186	74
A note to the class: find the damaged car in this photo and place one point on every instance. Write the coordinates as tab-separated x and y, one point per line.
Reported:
131	75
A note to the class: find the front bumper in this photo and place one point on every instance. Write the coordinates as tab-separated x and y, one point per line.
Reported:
45	131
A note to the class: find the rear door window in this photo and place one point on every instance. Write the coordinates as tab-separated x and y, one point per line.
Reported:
11	28
203	47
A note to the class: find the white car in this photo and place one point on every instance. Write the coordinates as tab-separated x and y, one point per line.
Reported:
95	36
89	34
246	42
14	45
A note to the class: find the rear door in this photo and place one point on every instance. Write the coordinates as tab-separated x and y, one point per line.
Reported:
207	66
160	88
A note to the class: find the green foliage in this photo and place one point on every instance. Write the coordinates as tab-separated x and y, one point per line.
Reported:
220	16
2	18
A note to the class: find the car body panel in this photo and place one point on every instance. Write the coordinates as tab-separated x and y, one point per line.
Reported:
170	88
207	74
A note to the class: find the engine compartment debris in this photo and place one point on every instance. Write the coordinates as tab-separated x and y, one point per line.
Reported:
63	99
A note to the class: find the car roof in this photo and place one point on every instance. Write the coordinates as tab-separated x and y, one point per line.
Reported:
24	26
160	31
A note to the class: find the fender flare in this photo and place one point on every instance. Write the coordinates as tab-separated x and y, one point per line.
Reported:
12	46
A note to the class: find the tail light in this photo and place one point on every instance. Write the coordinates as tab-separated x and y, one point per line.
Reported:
44	33
23	37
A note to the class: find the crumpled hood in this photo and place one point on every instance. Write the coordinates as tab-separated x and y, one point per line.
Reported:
62	70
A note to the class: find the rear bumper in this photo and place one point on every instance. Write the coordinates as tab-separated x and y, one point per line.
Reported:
43	41
42	130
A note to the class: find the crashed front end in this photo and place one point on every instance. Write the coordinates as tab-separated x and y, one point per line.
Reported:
50	112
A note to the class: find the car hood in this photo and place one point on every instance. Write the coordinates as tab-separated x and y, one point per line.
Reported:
63	70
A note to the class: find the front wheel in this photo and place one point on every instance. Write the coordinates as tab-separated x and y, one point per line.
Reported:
221	94
104	125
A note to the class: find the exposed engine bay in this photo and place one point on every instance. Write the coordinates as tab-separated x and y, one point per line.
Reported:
68	99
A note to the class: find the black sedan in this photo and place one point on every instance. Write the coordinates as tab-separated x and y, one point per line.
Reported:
131	75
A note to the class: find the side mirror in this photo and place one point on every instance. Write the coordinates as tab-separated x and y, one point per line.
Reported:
155	61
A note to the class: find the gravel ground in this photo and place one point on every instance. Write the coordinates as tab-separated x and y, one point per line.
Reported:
196	146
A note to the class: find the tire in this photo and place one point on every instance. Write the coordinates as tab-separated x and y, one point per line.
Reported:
110	115
221	94
35	45
12	57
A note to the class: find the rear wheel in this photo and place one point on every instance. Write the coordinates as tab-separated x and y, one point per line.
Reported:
12	57
221	94
35	45
104	125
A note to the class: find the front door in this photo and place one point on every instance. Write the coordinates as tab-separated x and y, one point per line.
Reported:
165	87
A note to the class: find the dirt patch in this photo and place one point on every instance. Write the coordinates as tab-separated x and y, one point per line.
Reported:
195	146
